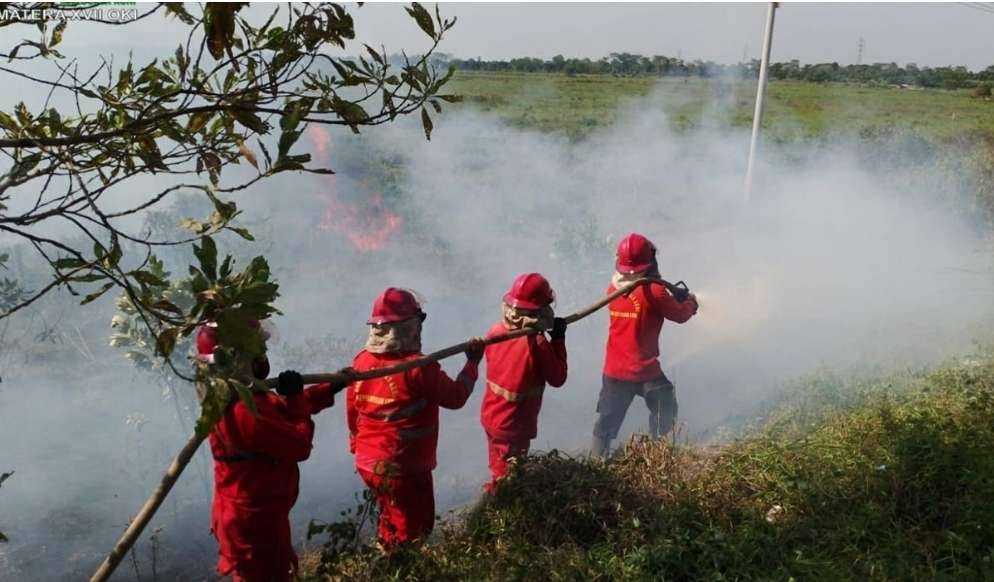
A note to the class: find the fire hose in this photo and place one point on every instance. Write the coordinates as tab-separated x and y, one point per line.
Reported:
137	524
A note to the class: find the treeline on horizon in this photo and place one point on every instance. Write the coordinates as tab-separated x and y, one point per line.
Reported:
632	65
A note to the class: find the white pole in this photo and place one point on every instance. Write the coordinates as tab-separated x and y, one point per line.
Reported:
757	116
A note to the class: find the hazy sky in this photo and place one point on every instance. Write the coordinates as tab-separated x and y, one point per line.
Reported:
932	34
927	34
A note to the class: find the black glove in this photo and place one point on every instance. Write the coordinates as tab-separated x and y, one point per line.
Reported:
351	373
289	384
558	331
680	292
474	353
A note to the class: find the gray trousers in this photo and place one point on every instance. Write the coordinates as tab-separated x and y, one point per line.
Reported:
616	396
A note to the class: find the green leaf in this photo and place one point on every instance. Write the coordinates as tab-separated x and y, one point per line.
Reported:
351	113
96	294
164	305
198	121
245	394
7	122
150	154
88	278
287	139
219	26
212	407
179	11
68	263
265	153
258	294
376	56
242	232
206	253
22	113
212	162
294	112
57	33
165	342
423	18
147	278
225	269
113	258
233	331
250	120
426	122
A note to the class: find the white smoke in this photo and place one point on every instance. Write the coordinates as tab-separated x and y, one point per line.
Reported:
834	263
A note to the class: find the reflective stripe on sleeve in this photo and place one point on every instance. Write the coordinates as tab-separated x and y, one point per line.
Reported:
514	396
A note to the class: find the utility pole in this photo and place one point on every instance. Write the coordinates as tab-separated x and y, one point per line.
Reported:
757	116
859	53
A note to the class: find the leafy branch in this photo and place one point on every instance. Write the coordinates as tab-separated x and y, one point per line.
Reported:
233	91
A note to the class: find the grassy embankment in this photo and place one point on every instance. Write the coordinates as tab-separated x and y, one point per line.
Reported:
836	479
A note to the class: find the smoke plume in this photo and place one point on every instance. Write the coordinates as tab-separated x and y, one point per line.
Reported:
836	262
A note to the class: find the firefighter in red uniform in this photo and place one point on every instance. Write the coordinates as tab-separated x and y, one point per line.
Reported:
631	367
393	420
519	369
256	477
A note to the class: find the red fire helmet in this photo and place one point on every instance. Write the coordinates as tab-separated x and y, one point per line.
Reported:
207	340
635	254
530	291
394	304
207	337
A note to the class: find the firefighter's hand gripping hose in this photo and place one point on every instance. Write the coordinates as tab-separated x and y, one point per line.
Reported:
340	379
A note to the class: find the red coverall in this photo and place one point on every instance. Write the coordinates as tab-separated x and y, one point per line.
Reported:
393	423
631	367
517	372
633	337
256	482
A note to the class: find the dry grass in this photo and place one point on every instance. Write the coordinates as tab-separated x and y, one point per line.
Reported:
890	480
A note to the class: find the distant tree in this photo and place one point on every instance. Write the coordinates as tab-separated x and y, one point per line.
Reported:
630	64
954	77
982	90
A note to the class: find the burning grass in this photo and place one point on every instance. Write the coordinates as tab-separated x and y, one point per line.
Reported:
892	480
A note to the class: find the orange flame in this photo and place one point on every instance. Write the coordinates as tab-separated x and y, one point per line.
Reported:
368	224
368	227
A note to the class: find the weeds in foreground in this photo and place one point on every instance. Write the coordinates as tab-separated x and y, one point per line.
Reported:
897	484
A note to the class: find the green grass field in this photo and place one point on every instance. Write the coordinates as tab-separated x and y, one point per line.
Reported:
578	105
947	136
